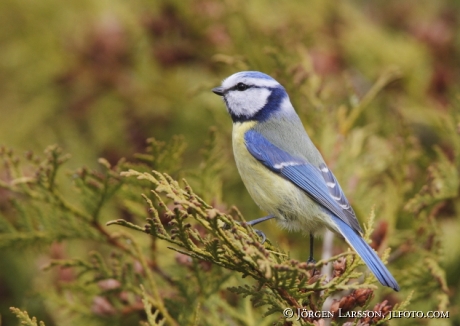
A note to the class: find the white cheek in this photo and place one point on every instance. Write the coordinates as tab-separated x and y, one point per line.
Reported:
248	102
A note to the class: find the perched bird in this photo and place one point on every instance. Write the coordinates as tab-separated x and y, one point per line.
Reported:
282	169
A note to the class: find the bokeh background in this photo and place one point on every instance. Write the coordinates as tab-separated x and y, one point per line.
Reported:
375	83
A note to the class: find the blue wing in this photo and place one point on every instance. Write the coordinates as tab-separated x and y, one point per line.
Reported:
318	182
321	185
337	194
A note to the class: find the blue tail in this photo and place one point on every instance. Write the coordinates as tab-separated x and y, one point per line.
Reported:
367	254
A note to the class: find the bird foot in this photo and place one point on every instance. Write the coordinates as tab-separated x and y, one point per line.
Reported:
258	232
262	235
311	262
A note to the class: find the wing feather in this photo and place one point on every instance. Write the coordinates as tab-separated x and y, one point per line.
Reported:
318	182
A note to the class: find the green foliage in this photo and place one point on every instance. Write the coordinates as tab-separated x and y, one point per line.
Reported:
442	184
220	248
49	216
23	316
281	281
375	83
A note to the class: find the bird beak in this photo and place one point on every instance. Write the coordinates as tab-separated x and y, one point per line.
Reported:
218	90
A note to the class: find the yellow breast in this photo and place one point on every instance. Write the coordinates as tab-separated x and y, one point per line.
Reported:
271	192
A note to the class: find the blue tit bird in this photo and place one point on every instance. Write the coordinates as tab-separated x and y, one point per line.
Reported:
282	169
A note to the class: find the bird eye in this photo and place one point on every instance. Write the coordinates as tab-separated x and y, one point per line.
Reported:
241	87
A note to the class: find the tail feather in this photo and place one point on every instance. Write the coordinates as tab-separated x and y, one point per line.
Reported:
367	254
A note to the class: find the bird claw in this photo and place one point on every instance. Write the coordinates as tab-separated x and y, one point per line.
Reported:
262	235
311	262
258	232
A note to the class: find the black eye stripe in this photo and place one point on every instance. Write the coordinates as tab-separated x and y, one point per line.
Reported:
241	87
249	86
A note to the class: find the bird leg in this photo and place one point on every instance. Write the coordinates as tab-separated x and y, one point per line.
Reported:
311	259
257	221
260	220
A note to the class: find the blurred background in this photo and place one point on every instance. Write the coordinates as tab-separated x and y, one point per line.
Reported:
375	83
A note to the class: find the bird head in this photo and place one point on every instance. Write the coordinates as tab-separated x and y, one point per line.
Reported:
252	95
